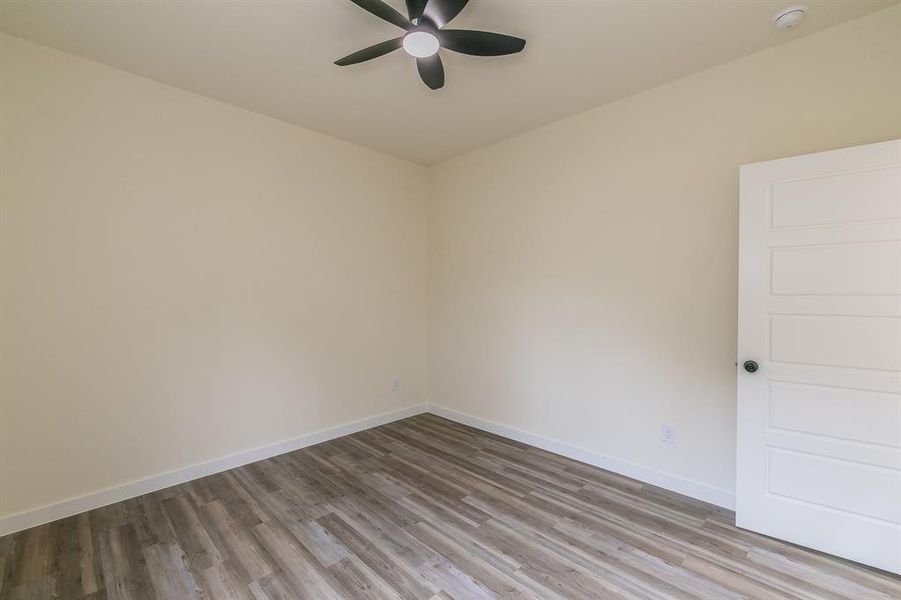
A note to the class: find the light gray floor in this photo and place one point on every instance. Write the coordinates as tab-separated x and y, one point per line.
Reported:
420	508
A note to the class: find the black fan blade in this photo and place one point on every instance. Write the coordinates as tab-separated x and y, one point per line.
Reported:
370	52
415	8
431	70
440	12
479	43
383	11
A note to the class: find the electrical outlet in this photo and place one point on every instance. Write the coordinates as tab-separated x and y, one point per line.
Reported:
396	386
668	434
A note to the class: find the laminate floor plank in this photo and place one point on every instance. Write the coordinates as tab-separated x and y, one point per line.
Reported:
419	508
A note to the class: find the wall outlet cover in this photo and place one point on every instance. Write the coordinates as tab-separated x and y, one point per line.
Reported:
668	434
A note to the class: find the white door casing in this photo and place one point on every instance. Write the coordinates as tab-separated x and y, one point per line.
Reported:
819	425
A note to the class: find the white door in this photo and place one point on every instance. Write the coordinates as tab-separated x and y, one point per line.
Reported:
819	423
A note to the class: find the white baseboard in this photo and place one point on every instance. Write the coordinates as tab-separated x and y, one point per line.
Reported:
674	483
73	506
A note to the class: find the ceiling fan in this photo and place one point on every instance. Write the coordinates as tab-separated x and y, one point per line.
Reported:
426	35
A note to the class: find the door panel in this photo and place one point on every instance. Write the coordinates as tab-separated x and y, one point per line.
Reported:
819	425
856	269
871	342
825	480
853	415
836	199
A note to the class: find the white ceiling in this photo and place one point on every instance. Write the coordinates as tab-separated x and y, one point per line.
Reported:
275	57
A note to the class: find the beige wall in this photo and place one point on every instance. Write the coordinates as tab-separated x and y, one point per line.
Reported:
182	279
583	275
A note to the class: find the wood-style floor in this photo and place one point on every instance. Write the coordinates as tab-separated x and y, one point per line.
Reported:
420	508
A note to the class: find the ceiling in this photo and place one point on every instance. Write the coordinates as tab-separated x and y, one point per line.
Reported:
275	57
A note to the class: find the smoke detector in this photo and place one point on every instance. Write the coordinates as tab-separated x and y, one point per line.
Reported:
789	18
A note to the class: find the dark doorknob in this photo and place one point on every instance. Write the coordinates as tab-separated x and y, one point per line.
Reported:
751	366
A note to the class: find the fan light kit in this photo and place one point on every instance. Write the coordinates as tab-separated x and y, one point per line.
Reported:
426	36
790	17
421	44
